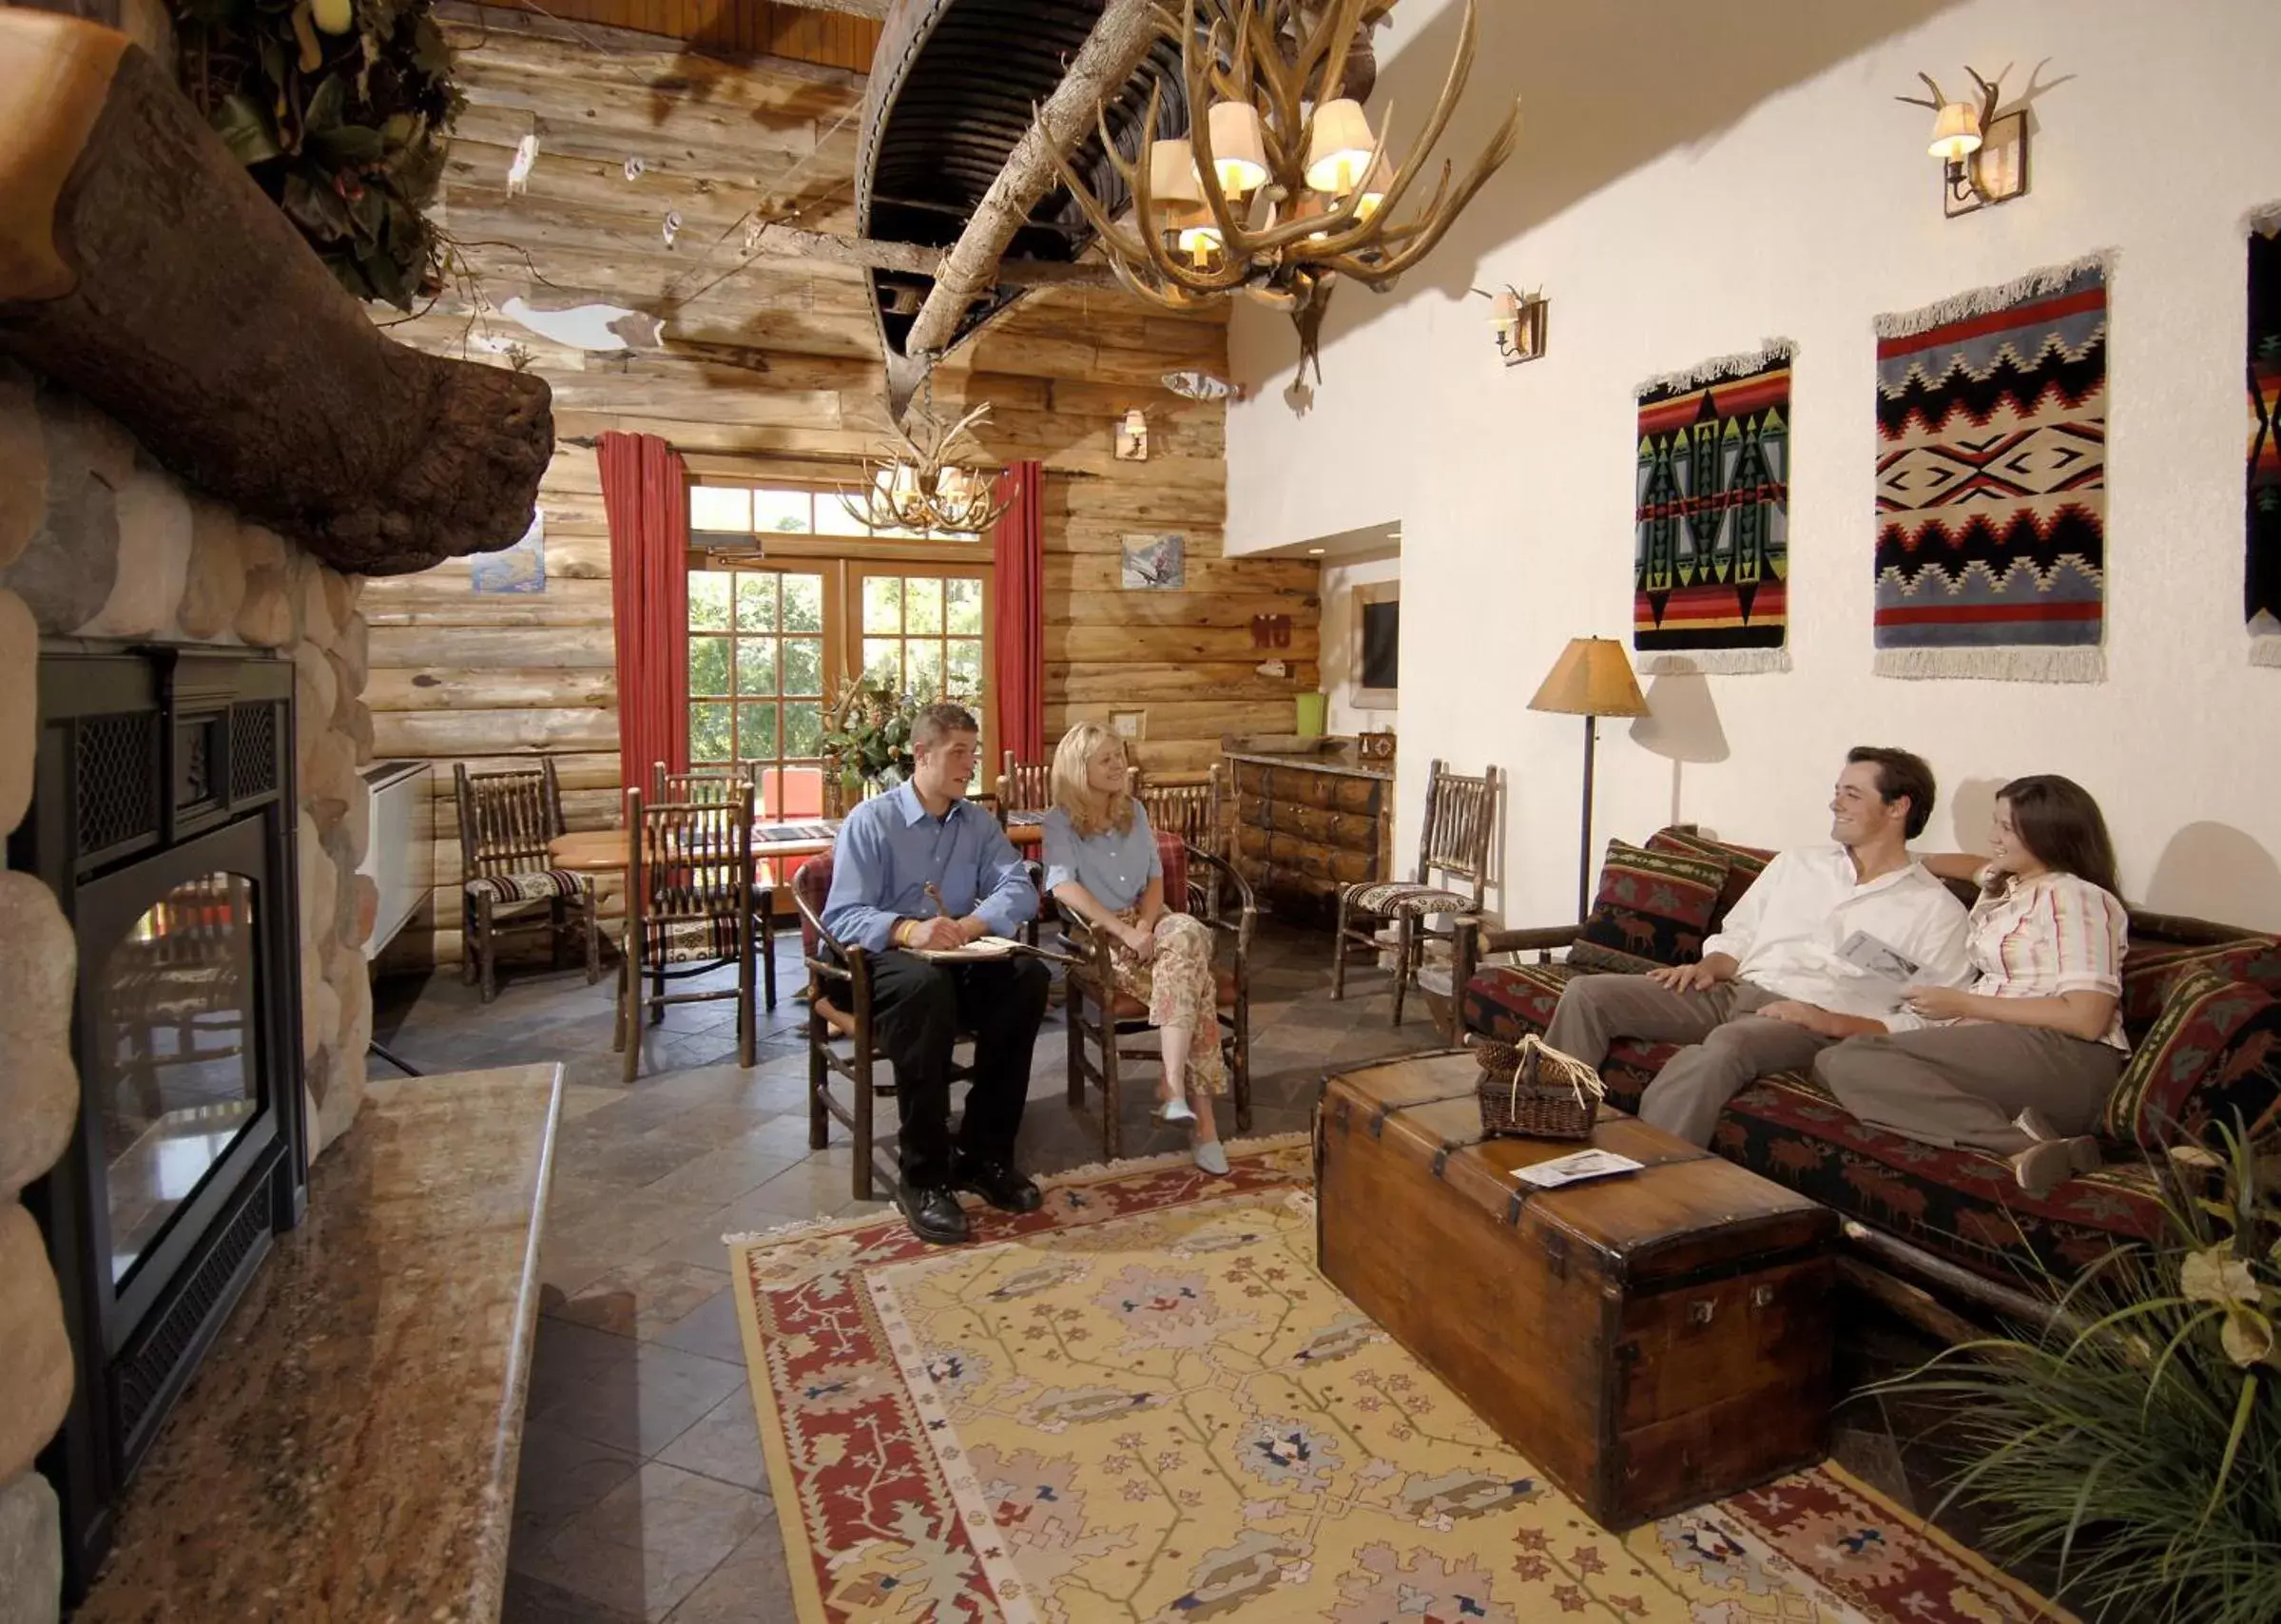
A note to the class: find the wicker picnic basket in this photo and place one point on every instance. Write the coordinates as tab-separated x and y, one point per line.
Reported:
1533	1091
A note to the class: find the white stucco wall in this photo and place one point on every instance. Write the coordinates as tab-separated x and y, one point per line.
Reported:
1689	182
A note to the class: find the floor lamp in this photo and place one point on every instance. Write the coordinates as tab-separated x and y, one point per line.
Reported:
1592	678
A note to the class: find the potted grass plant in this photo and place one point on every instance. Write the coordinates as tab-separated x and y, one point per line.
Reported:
2135	1445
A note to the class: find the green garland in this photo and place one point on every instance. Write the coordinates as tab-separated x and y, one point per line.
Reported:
340	109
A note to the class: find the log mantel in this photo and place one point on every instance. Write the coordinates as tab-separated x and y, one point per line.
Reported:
143	268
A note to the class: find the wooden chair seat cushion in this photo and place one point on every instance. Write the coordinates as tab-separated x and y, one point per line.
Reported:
530	885
685	941
1397	897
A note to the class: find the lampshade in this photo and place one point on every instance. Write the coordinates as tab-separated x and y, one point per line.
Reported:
1339	146
1198	234
1955	132
1173	174
1504	311
1374	188
1237	153
1593	677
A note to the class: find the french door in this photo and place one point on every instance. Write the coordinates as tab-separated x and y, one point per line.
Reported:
771	646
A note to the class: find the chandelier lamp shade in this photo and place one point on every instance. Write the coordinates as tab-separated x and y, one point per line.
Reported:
1280	186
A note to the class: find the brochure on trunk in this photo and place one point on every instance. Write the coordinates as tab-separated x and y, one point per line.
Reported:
1574	1168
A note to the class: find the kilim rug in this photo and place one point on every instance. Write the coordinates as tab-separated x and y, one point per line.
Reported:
1143	1404
2263	586
1992	482
1711	548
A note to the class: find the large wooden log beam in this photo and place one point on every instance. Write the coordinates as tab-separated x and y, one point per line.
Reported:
1114	48
141	267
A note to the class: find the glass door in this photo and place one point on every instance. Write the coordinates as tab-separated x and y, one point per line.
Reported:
760	646
924	629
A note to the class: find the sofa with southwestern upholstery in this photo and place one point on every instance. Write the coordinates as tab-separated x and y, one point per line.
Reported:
2201	1005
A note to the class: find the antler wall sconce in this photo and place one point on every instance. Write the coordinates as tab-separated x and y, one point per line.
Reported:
1984	157
1519	319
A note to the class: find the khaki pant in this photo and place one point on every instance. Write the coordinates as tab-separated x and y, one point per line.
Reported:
1730	1046
1962	1085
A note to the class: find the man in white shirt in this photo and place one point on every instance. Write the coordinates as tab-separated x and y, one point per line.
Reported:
1775	987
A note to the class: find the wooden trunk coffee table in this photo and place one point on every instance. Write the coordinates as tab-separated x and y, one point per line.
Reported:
1650	1341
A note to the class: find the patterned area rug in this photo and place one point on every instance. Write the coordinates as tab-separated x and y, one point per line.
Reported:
1992	482
1142	1403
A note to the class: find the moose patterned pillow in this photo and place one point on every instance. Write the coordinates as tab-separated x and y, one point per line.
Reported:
1654	908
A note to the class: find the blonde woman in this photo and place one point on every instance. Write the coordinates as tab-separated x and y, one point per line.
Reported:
1101	864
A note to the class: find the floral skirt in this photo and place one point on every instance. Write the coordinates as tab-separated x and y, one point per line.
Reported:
1179	989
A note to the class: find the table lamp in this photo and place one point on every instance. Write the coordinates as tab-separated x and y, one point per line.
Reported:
1592	678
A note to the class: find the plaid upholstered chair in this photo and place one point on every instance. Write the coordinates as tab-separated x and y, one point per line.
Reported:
689	912
1107	1028
506	820
1453	871
722	783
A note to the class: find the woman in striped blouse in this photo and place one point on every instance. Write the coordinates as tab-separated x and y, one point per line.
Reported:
2022	1061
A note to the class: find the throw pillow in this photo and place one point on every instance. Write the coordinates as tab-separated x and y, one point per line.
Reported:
1654	908
1744	864
2212	1057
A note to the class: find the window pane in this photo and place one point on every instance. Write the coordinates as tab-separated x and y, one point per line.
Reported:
804	665
804	728
924	663
708	600
883	662
756	601
804	603
963	608
966	667
922	604
784	513
832	517
718	507
709	665
883	604
755	732
708	734
755	665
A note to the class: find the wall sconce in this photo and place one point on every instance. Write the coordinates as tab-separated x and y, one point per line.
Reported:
1132	436
1983	158
1520	322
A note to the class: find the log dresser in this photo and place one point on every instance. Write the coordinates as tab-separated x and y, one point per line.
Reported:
1307	825
1650	1341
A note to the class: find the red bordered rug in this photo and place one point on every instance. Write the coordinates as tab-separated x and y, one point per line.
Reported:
1143	1404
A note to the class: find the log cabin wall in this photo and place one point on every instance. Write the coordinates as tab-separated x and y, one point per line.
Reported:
769	369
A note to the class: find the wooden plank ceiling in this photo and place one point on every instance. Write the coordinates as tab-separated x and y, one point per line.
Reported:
829	36
772	366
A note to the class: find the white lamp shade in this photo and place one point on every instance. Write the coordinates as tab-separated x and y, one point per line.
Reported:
1198	234
1173	174
1504	311
1136	423
1955	132
1374	188
1339	146
1238	155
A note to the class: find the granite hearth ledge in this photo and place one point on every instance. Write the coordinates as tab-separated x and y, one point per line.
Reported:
348	1449
1332	764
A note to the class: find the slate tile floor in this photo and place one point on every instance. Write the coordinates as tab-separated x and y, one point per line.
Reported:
641	1494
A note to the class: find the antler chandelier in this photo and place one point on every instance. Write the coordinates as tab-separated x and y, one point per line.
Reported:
922	489
1280	186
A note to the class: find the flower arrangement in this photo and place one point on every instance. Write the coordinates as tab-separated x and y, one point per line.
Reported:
868	733
2136	1442
340	110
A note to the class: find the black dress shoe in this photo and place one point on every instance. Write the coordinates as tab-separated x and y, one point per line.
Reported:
1004	1188
933	1215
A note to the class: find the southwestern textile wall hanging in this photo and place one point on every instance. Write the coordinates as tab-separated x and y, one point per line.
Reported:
1711	552
2263	585
1992	482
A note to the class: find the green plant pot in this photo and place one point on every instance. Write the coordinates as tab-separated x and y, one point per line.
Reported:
1312	710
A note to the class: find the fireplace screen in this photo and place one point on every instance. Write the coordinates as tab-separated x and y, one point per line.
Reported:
177	1080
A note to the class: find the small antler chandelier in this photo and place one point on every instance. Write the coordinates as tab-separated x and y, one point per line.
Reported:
1280	186
923	489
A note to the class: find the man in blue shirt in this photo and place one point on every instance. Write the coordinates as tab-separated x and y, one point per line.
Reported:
925	867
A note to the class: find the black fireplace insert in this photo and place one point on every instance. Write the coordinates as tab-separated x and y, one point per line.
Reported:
163	817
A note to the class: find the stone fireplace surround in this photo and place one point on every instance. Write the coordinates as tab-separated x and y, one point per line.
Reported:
100	544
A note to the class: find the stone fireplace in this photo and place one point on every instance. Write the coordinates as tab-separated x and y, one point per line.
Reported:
197	817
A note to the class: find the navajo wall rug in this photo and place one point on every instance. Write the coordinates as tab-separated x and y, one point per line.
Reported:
1710	553
1992	482
2263	586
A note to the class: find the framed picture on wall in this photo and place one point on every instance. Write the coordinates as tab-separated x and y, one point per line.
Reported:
1156	563
1376	643
514	570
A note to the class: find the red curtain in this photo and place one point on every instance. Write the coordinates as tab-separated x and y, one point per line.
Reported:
645	492
1017	669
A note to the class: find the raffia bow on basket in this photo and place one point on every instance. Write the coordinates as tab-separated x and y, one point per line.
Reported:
1532	1089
